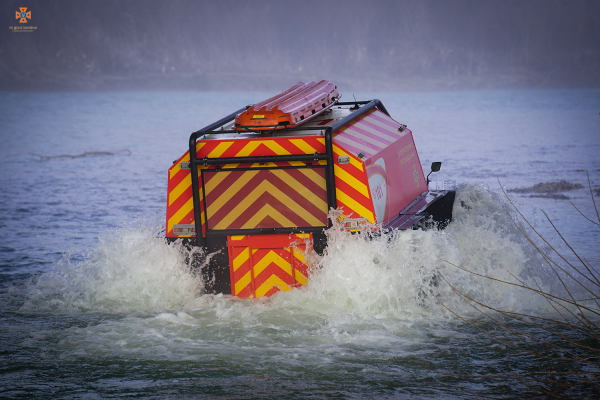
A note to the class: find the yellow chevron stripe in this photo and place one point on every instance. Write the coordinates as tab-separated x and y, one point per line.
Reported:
272	257
243	282
302	145
179	189
298	256
301	189
177	166
314	176
182	212
217	178
233	189
241	258
238	237
352	181
353	161
273	281
301	279
265	211
199	145
276	148
220	149
354	205
248	149
264	186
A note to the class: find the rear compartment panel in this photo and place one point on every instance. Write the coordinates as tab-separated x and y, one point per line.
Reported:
180	209
261	265
265	198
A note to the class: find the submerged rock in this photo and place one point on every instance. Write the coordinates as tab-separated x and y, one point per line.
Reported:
549	187
556	196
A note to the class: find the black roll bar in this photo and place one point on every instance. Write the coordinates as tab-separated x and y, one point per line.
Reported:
328	155
200	241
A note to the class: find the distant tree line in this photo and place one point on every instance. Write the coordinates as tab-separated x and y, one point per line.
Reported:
268	44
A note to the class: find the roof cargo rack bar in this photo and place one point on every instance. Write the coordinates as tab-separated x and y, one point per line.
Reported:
368	105
328	155
242	160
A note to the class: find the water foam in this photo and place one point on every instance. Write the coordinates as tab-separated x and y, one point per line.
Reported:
131	269
403	274
407	274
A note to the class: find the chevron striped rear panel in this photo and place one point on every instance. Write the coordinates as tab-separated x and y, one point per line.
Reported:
265	198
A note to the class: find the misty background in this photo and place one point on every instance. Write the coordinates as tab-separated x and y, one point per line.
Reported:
271	44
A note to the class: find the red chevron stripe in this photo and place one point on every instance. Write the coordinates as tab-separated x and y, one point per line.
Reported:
262	149
178	177
296	174
234	148
181	200
221	187
353	193
308	183
207	148
349	189
262	245
297	264
265	198
264	250
273	269
266	222
234	200
246	292
243	269
188	219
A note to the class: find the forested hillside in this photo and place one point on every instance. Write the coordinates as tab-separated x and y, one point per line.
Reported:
268	44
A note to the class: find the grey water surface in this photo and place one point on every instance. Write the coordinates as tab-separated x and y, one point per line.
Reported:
94	303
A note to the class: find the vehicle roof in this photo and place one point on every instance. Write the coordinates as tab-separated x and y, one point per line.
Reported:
323	120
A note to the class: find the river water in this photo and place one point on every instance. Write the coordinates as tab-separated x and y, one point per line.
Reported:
95	304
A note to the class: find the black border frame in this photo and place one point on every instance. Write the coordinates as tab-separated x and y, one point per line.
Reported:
233	232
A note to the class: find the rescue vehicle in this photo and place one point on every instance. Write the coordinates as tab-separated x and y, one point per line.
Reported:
255	188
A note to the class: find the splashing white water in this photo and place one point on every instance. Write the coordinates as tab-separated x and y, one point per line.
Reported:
132	269
403	274
407	274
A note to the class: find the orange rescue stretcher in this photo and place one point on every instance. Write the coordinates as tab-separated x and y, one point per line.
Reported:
289	108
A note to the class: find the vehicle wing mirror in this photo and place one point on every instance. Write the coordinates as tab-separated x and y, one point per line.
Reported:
435	167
